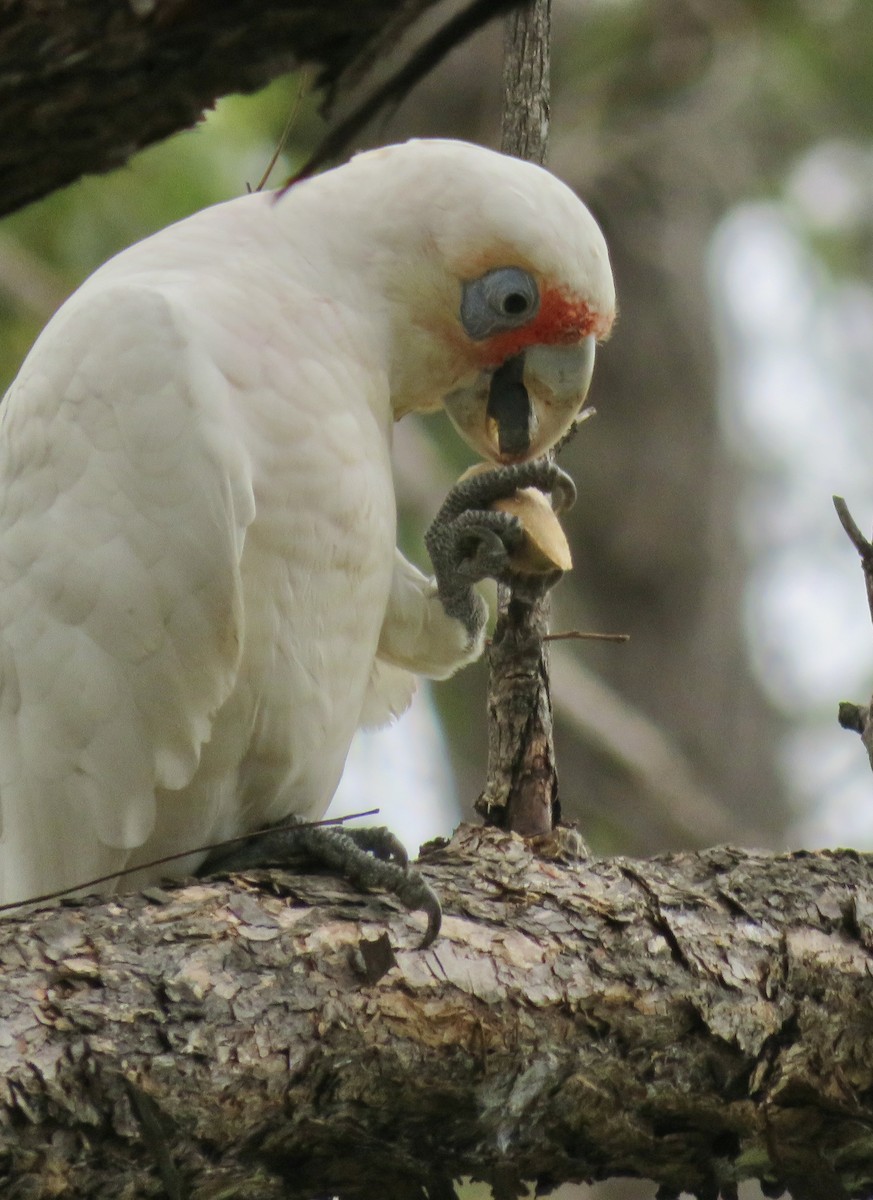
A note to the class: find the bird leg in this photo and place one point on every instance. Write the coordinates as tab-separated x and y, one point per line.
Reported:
368	857
468	542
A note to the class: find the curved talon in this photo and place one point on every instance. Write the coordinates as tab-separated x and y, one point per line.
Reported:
434	922
469	541
563	492
465	547
416	894
367	856
484	543
487	558
481	489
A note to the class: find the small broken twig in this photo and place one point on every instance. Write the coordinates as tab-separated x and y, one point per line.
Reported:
579	635
585	415
856	717
864	548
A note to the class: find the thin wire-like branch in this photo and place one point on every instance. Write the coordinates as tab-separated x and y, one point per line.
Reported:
579	635
168	858
302	89
401	83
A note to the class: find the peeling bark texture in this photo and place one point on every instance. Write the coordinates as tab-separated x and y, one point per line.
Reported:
521	789
698	1019
86	83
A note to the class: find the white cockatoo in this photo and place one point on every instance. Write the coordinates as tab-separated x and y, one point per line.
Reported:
200	594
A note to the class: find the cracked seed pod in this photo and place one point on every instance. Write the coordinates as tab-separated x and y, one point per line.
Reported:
545	547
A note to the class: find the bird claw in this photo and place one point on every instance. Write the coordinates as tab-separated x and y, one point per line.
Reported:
469	542
479	491
369	857
379	841
488	555
483	543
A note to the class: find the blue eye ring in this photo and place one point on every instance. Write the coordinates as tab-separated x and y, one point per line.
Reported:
500	300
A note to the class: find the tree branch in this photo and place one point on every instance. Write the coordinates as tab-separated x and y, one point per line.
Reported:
84	84
858	718
527	81
697	1019
521	787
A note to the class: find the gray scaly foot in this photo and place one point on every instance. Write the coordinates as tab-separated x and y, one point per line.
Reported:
467	542
369	858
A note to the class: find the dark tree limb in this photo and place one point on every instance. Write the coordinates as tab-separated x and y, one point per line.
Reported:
84	84
699	1019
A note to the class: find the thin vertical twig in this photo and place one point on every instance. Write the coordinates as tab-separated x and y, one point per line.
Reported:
524	128
521	790
858	718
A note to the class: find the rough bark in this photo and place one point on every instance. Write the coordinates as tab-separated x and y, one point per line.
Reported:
698	1019
521	789
86	83
527	81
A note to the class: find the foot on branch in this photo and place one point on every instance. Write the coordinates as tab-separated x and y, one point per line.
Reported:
468	542
369	858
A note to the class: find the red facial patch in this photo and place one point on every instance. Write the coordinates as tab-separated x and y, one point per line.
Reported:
560	321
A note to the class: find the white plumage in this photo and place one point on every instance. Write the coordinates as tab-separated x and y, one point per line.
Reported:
200	595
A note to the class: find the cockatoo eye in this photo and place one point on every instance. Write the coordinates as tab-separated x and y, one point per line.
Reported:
501	300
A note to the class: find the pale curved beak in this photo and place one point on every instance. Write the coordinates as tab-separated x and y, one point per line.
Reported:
521	408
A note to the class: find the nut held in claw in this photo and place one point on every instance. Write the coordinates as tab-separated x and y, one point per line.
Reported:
545	547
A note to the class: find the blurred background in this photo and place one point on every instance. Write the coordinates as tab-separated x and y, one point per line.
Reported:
725	147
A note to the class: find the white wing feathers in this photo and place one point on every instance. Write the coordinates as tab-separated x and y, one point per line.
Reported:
417	634
122	518
417	638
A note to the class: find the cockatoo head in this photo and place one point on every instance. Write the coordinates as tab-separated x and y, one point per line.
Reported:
499	286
